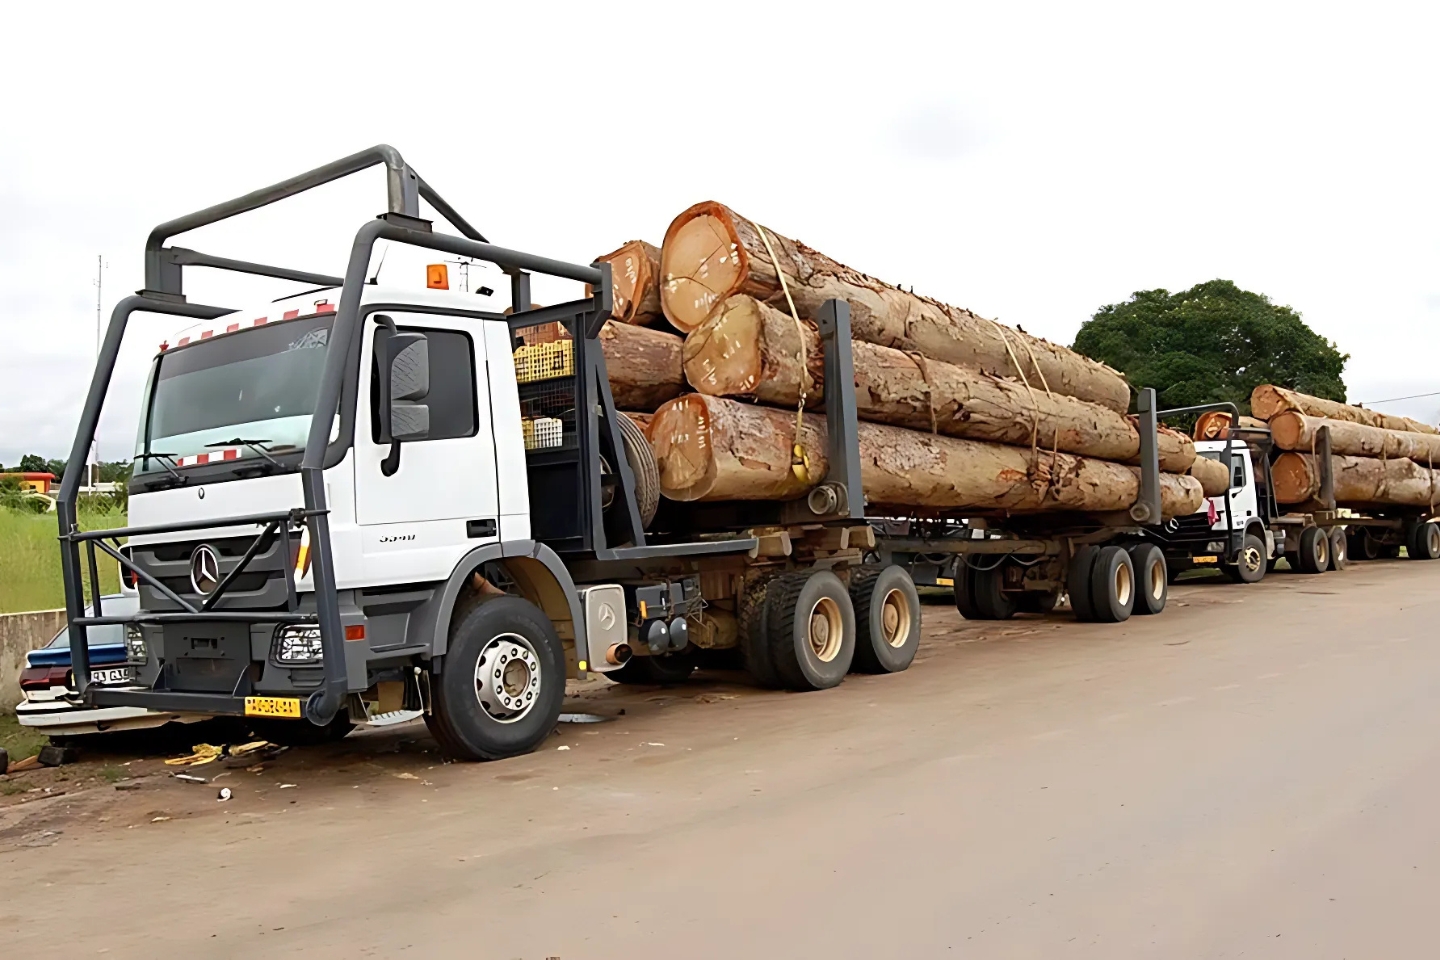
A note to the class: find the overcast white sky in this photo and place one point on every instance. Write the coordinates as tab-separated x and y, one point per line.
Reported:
1029	161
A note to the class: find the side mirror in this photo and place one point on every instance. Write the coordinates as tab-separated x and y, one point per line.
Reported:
404	382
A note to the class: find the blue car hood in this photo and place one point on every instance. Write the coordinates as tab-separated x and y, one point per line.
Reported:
101	654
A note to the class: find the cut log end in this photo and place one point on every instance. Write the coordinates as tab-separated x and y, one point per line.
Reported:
702	263
723	356
1294	478
634	270
680	434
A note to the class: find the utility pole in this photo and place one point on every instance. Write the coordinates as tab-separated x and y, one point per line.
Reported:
99	290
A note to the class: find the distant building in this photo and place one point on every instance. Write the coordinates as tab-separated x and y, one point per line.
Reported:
32	482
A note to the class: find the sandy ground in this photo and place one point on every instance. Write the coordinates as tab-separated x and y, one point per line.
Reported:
1250	774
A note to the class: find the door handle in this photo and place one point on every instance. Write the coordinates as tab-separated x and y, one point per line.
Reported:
479	528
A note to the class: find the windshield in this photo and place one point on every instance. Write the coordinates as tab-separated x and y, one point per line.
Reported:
259	385
112	605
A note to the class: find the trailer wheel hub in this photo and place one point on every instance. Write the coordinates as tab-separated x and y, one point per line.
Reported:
507	677
827	629
895	619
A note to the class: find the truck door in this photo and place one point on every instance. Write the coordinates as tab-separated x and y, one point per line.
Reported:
418	521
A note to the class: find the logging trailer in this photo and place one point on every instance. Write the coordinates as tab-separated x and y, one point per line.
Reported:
365	504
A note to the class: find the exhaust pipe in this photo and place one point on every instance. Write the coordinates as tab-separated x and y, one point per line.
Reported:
618	654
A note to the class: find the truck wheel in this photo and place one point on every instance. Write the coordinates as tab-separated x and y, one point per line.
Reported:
1112	585
1077	582
662	670
1362	545
1422	541
887	619
811	627
1314	550
965	590
1037	601
1339	549
1152	583
987	586
503	683
754	636
1252	566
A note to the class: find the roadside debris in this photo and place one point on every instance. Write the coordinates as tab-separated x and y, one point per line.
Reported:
203	753
585	718
188	778
406	776
53	756
26	764
4	760
224	795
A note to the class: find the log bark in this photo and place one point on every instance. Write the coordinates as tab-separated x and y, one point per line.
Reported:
750	350
1215	425
711	252
1213	475
644	365
635	271
1293	430
1359	481
1267	400
710	448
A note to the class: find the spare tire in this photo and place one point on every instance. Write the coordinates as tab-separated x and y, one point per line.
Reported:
642	465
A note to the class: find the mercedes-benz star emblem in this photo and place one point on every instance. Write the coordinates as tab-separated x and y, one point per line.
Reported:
204	569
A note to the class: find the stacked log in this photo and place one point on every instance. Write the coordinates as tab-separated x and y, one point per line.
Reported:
635	276
749	350
1215	425
644	365
709	448
1213	475
711	252
1376	460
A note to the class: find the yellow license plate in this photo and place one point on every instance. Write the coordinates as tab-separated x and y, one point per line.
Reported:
944	582
272	707
1205	559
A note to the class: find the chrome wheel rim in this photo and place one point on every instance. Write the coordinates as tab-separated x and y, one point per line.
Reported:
825	629
507	678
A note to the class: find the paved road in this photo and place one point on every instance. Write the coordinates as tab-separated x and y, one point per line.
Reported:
1252	774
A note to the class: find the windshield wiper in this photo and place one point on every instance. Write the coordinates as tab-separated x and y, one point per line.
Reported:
257	445
180	480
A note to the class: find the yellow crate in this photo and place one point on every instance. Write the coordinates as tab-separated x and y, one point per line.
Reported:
544	361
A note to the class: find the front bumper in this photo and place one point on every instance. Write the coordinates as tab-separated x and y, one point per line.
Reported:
63	718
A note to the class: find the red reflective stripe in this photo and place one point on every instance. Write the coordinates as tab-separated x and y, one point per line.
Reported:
183	341
232	328
231	455
207	334
262	321
324	308
290	315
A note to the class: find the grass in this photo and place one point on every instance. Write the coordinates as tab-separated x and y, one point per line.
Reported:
20	742
30	559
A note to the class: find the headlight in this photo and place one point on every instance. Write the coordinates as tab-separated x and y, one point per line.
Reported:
297	645
135	649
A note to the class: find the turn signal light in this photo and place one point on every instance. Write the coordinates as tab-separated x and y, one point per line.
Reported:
437	276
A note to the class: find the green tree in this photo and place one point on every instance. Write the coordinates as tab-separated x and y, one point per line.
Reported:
1212	342
33	463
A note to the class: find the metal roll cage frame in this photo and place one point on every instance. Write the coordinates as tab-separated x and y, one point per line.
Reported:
164	293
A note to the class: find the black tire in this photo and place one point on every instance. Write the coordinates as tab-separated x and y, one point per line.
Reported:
303	733
1252	566
990	597
805	612
662	671
1037	601
754	639
1077	582
1363	546
1339	549
1314	550
642	464
1422	541
1152	579
1112	585
965	590
489	640
887	619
